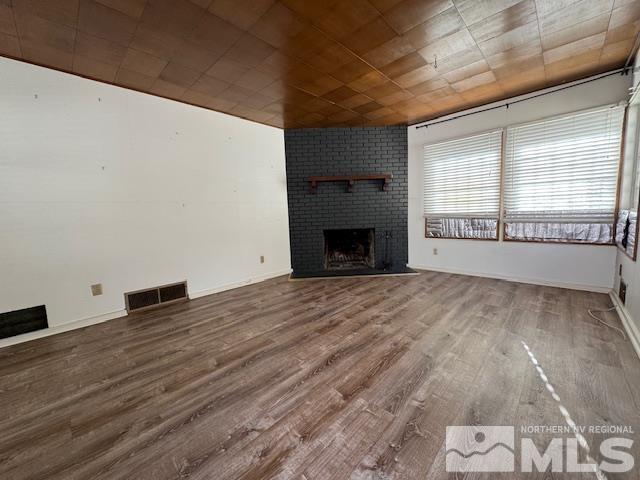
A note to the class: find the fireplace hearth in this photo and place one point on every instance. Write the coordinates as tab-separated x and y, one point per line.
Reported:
349	249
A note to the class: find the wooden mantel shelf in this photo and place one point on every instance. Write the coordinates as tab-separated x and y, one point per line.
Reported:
351	179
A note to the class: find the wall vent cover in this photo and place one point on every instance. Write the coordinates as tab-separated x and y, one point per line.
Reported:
156	296
173	292
23	321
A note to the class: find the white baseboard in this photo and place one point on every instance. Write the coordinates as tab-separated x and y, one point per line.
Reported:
241	283
5	342
54	330
533	281
627	321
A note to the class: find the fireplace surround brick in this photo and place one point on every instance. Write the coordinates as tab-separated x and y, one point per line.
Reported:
346	151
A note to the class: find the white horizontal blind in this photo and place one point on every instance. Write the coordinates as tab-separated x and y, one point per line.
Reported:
462	177
564	169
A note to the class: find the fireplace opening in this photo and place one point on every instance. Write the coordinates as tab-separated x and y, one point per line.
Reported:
349	249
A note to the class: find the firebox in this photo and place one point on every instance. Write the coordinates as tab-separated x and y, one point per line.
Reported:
349	249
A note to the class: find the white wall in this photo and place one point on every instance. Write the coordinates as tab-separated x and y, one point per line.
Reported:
577	266
630	312
100	184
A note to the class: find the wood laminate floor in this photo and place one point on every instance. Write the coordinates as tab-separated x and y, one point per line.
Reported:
326	379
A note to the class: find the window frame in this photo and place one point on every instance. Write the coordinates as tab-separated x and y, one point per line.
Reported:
498	219
634	205
501	223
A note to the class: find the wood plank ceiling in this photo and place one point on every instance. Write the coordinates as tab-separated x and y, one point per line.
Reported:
316	63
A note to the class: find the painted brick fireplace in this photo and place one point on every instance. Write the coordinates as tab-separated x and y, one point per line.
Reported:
367	205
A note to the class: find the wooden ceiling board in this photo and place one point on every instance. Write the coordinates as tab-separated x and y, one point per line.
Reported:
240	13
143	63
594	42
417	76
435	28
369	36
575	31
10	46
411	13
467	71
566	68
132	8
518	15
104	22
167	89
428	86
462	59
523	81
7	22
388	52
64	12
527	34
473	11
88	67
344	17
153	42
318	63
515	58
135	80
573	13
403	65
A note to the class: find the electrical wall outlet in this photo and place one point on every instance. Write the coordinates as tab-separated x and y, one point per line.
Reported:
435	251
261	258
96	289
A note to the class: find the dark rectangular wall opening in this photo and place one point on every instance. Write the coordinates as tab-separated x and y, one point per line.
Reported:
348	249
23	321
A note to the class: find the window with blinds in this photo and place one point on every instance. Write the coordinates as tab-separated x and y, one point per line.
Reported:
561	176
462	187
